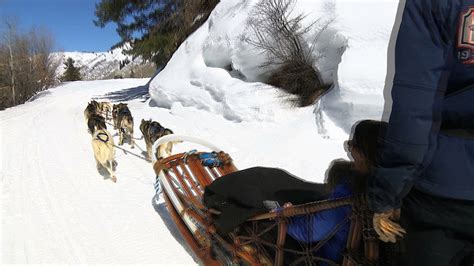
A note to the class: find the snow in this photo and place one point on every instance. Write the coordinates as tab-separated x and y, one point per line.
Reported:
97	65
56	207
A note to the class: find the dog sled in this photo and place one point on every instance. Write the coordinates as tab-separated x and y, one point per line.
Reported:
261	240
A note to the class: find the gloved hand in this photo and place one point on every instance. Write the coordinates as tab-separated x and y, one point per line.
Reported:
386	228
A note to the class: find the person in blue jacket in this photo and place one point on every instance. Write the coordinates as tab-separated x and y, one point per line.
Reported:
344	179
426	165
240	195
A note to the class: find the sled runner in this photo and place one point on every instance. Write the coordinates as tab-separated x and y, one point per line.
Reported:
261	240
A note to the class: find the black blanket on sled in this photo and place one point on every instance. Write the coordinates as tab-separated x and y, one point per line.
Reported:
240	195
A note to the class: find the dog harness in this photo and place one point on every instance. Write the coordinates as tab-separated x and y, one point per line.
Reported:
100	136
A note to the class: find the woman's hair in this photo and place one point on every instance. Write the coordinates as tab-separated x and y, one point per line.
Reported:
338	169
367	137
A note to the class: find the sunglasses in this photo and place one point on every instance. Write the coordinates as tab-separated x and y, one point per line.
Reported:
350	144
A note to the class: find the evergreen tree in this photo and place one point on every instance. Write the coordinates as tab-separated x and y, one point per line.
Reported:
72	72
153	28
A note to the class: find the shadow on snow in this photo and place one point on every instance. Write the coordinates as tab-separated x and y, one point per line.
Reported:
160	208
139	92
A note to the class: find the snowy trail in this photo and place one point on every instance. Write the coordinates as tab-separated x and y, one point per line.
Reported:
56	207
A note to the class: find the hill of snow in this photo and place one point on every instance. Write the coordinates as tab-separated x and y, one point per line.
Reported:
56	207
352	53
105	65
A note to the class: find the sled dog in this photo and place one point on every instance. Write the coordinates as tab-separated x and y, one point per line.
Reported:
96	122
106	109
91	108
115	109
165	150
152	131
124	123
104	151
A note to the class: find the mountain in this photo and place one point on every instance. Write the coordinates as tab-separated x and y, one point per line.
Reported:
106	65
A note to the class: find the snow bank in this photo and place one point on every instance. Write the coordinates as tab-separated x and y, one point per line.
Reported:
217	64
367	25
214	73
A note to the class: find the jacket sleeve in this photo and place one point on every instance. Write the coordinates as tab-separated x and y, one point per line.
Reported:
317	226
424	50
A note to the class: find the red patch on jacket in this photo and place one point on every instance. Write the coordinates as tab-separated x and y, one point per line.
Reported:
466	37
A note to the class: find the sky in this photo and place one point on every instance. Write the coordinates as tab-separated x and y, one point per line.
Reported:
69	21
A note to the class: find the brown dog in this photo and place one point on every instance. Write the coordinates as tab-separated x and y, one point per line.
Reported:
123	121
115	109
152	131
91	108
106	109
165	150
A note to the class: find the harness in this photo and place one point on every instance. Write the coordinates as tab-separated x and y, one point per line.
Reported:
124	111
155	131
209	159
100	136
156	128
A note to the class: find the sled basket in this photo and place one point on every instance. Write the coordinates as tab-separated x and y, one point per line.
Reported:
261	240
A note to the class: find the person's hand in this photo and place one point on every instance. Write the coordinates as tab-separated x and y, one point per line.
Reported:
386	228
286	205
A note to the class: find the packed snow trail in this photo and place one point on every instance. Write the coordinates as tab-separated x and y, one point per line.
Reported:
57	208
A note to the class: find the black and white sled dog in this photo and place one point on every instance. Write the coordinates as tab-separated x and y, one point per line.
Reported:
104	151
152	131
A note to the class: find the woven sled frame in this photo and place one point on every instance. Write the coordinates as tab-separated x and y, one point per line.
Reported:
188	178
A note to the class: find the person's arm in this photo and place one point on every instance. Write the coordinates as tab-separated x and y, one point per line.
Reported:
423	54
318	225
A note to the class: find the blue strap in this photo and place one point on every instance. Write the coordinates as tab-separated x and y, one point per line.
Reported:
210	159
157	186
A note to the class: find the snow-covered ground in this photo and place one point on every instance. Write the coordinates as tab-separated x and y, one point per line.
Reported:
56	207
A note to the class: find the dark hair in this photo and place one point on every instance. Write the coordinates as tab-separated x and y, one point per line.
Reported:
338	169
368	136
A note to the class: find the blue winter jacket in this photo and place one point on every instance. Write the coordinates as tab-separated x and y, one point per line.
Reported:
429	143
317	226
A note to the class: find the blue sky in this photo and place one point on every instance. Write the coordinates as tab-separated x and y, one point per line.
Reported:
70	22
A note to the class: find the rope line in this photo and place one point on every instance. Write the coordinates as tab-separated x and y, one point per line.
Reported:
134	154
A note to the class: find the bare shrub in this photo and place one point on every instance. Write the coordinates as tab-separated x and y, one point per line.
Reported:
280	36
26	66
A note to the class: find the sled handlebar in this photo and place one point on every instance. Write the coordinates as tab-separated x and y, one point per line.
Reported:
182	138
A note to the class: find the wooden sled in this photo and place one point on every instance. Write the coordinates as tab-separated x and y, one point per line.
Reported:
261	240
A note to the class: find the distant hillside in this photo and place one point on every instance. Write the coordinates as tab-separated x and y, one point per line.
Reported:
106	65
